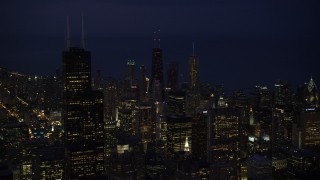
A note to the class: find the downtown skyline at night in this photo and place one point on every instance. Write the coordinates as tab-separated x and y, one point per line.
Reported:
150	89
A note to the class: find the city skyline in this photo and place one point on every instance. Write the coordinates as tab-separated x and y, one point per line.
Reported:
230	44
159	89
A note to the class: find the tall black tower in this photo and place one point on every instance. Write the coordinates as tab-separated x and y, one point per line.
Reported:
156	88
82	116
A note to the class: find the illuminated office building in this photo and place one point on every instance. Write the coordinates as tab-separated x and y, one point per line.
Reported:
310	126
110	121
82	116
12	136
179	130
176	102
224	137
51	163
300	161
194	71
145	122
126	116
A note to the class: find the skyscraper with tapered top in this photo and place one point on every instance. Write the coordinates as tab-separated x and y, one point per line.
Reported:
82	114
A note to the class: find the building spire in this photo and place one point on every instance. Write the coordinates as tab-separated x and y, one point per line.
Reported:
312	85
68	34
159	38
156	39
193	48
83	40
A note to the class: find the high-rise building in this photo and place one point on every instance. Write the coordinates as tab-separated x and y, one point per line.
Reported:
110	126
154	160
179	130
97	81
176	102
130	71
126	115
127	161
282	93
277	131
311	95
310	126
157	72
143	84
259	167
262	97
145	122
82	116
199	136
173	76
224	136
194	71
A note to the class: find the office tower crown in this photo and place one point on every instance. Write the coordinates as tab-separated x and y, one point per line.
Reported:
312	85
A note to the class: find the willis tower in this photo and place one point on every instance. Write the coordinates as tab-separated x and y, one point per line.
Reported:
82	115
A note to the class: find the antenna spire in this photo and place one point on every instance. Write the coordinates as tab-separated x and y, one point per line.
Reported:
83	41
193	48
68	34
159	38
156	39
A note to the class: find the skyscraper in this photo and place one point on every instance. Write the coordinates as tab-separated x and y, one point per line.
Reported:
178	134
157	71
193	95
173	76
82	116
130	71
193	71
224	137
282	93
311	94
143	84
310	124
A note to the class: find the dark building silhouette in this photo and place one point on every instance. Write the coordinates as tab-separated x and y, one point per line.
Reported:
194	72
176	102
157	83
199	136
82	117
173	76
282	93
143	84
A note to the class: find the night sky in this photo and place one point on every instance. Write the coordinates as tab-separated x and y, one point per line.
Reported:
240	43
